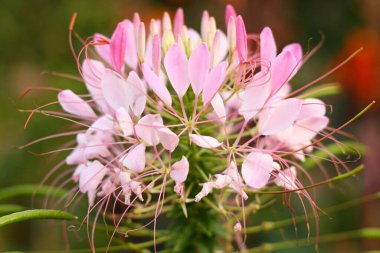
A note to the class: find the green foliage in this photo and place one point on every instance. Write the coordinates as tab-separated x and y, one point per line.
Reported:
30	190
36	214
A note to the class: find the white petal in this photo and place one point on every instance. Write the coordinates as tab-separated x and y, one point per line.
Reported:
205	141
168	139
147	128
279	116
180	170
218	105
135	158
115	90
256	169
125	121
73	104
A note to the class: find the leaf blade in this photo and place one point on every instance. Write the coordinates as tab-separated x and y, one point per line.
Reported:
35	214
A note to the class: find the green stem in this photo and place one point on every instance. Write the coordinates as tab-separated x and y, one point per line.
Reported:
333	179
35	215
29	190
271	225
365	233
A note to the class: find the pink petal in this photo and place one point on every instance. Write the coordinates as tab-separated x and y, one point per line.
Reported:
77	156
176	66
284	68
287	178
77	172
268	49
213	82
219	48
199	65
136	93
96	144
92	75
118	44
125	180
279	116
205	141
205	25
103	123
125	121
206	189
222	181
102	46
230	12
312	107
241	39
168	139
73	104
147	128
194	36
253	98
90	178
156	85
115	90
296	50
180	170
135	158
156	54
256	169
179	22
108	187
218	105
130	56
307	129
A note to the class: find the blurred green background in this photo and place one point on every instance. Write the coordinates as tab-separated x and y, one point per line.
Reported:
34	40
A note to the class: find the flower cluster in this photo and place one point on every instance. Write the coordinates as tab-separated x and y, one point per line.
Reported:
161	101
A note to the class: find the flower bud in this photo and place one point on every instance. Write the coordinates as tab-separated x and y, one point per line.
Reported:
178	22
166	22
154	28
237	227
167	40
241	39
231	35
205	25
141	42
215	49
230	12
136	23
156	54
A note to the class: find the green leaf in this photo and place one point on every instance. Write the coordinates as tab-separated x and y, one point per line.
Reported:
365	233
322	90
36	214
29	190
7	209
345	148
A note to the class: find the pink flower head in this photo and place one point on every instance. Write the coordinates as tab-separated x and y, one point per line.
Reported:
189	116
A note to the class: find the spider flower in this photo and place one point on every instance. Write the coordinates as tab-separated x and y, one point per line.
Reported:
201	112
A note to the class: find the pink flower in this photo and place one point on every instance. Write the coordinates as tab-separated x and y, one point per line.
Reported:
166	103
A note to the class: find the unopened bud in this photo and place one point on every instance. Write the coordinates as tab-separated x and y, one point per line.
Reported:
237	227
141	42
167	40
166	22
179	22
154	28
205	25
230	12
231	34
212	29
136	23
215	49
156	54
